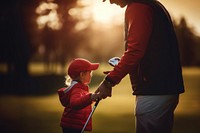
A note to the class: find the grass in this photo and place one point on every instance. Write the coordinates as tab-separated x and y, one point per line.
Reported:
41	114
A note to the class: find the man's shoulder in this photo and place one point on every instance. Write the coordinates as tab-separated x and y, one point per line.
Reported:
139	6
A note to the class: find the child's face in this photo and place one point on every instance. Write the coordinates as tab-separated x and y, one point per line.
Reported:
85	77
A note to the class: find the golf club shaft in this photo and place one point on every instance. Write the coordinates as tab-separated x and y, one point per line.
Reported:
93	109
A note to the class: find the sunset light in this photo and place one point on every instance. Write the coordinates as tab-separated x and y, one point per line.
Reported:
97	12
41	38
48	16
104	12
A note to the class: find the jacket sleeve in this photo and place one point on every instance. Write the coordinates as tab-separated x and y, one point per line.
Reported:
80	99
139	23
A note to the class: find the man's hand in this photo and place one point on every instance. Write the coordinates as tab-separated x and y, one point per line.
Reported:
95	97
104	90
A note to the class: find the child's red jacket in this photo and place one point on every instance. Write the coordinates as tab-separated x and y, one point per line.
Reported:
77	102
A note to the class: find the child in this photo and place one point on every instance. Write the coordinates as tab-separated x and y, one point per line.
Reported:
76	98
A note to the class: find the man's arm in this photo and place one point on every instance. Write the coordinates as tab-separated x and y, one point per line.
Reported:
140	20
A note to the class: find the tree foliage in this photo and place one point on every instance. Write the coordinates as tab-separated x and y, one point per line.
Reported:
22	42
189	43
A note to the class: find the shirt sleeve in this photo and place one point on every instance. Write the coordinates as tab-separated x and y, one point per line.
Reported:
79	99
139	19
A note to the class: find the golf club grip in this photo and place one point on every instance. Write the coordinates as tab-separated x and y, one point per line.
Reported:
97	102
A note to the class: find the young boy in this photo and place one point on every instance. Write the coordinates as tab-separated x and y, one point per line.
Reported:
76	98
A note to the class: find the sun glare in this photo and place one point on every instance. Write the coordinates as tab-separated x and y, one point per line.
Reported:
87	12
48	16
104	12
97	12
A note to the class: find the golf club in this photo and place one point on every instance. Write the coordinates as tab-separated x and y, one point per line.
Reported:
93	109
113	62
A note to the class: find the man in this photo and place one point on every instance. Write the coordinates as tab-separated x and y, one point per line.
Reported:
151	58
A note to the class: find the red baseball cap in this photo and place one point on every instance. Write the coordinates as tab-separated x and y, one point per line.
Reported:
79	65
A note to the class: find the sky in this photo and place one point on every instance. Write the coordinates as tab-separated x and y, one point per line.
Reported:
188	8
108	14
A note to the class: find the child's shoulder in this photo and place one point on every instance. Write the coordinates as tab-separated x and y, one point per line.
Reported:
80	86
63	96
64	93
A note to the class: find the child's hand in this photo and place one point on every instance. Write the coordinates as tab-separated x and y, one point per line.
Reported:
94	97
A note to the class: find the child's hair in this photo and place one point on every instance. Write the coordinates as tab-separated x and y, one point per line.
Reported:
68	80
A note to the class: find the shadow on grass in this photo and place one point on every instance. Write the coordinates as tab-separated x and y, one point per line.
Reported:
37	122
187	124
35	85
123	123
126	124
49	123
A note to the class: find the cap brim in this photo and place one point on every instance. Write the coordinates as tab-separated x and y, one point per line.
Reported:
94	66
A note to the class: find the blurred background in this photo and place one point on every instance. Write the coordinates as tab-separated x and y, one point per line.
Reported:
38	38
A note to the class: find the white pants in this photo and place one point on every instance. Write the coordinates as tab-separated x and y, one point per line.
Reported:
155	114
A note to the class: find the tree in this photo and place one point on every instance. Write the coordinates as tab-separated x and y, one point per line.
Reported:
59	42
15	42
187	43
